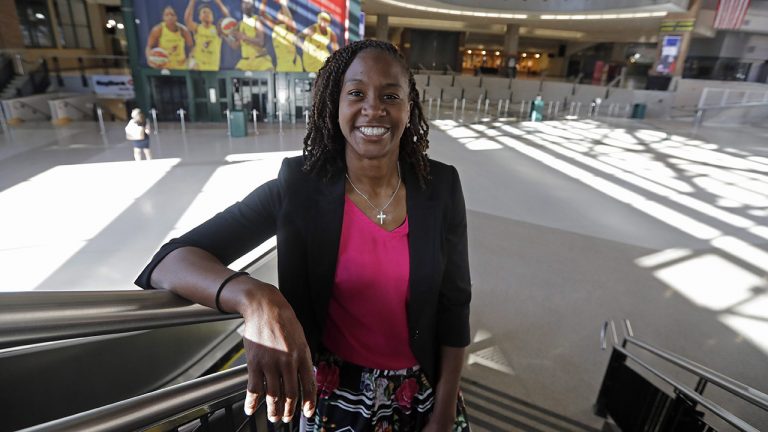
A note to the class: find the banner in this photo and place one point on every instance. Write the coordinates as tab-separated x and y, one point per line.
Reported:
730	14
249	35
670	49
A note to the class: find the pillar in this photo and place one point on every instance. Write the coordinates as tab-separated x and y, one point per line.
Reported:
382	27
511	40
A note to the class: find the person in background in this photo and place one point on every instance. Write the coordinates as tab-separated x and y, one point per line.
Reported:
206	55
137	132
173	38
512	65
317	39
284	39
250	37
373	263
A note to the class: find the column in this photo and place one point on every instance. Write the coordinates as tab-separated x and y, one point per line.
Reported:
511	40
382	27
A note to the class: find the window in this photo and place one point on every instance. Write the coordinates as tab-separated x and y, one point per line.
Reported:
74	24
35	23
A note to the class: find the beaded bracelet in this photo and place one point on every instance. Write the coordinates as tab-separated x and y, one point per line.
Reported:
223	284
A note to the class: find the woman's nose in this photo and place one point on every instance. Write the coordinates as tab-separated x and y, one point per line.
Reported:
372	106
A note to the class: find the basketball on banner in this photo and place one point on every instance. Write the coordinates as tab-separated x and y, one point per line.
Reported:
228	25
158	56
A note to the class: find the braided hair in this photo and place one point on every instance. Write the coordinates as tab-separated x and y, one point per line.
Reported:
324	143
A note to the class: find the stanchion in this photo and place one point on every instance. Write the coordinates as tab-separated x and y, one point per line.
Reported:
477	111
557	108
280	118
181	113
570	111
438	109
578	109
506	108
627	110
229	122
3	120
455	103
429	111
154	119
498	109
522	110
255	121
463	102
100	115
306	117
487	102
549	110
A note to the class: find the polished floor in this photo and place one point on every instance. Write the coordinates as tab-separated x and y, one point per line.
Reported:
571	223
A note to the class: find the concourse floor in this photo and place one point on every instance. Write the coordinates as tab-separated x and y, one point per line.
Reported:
571	223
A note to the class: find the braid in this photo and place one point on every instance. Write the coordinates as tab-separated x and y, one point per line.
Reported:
324	142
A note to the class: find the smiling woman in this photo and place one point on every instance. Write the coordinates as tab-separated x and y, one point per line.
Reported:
372	263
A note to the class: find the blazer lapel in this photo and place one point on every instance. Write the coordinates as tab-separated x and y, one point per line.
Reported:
327	217
423	241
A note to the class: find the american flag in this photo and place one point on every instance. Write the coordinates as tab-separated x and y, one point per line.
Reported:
730	14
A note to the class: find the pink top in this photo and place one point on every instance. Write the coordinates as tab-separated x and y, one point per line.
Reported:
367	323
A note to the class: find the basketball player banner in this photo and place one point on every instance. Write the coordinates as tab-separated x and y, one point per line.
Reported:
249	35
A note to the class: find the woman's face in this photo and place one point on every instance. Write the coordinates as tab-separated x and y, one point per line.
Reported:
169	16
373	105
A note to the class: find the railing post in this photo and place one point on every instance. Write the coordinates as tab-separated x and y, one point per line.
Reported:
255	122
181	112
154	119
100	115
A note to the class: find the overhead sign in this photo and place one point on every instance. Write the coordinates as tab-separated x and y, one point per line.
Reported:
113	85
677	26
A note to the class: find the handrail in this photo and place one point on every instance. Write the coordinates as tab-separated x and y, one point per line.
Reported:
34	109
692	395
71	105
151	408
729	384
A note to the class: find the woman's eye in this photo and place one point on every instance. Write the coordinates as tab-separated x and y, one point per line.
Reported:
391	97
356	93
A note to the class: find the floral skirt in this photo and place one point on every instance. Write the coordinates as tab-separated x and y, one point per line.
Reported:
352	398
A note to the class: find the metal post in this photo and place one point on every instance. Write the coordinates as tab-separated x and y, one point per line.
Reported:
101	120
627	109
464	101
522	109
429	113
306	117
487	102
578	109
3	120
438	109
506	108
19	62
181	113
557	108
229	122
154	119
477	111
725	98
255	122
549	110
455	103
498	110
280	118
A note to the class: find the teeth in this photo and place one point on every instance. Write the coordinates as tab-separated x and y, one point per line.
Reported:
373	131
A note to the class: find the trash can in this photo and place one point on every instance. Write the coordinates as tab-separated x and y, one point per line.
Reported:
237	124
638	111
537	109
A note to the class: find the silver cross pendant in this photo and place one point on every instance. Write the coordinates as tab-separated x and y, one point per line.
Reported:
381	217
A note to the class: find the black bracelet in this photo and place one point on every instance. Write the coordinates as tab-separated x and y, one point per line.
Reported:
223	284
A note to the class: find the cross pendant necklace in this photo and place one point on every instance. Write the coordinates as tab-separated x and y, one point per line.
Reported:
381	216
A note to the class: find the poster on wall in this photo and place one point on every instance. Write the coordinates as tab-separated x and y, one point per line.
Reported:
670	49
248	35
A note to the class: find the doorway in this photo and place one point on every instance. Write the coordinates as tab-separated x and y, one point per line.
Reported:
167	95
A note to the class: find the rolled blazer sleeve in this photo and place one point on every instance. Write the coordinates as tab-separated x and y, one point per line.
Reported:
231	233
455	292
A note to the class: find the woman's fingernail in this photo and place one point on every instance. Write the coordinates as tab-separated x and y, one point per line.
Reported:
286	419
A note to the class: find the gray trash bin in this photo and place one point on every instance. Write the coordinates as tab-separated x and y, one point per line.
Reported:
638	111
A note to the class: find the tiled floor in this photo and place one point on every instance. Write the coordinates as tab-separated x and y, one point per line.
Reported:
571	223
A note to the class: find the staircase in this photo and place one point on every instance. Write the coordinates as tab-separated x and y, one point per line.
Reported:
12	88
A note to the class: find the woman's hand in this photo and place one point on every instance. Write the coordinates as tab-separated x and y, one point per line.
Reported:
440	423
279	361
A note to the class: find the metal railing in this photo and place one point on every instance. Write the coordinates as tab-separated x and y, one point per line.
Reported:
28	318
32	108
724	100
694	396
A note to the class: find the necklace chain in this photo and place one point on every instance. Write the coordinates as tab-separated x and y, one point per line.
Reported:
381	214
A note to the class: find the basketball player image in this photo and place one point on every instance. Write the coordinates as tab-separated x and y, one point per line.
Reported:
206	54
167	43
250	37
284	39
317	37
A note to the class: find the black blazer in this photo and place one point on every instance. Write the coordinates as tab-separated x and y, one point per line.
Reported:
306	215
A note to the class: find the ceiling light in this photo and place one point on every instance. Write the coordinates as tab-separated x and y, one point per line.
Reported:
39	16
109	25
454	11
537	55
497	53
483	53
524	55
469	51
602	16
120	26
111	22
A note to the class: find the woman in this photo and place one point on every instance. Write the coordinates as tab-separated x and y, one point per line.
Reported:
137	132
171	37
372	262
